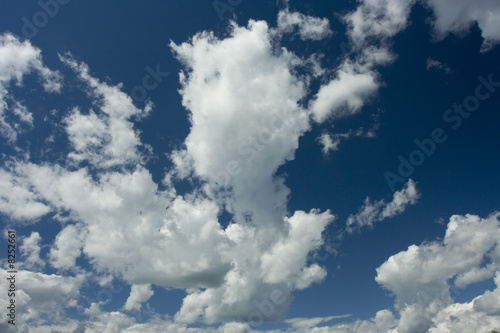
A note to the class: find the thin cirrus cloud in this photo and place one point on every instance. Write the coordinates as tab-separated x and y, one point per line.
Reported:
246	116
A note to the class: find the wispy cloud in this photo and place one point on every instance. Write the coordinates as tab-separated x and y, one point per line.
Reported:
372	212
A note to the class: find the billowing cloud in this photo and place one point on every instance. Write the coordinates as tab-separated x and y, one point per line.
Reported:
43	298
420	277
246	119
247	106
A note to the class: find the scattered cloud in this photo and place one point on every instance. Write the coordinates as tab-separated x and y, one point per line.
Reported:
138	295
419	277
309	27
436	64
330	142
344	95
451	16
31	251
372	212
306	323
248	108
17	60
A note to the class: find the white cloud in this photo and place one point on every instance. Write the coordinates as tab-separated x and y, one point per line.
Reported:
246	119
245	108
330	142
433	63
309	27
344	95
244	105
452	16
139	294
67	247
372	212
104	138
43	298
17	200
419	276
305	323
17	60
289	254
377	20
369	29
31	251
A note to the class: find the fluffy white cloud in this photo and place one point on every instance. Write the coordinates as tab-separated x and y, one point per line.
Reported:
106	138
344	95
372	212
243	99
17	200
67	247
245	102
377	20
139	294
31	251
17	60
369	29
309	27
43	298
382	19
452	16
419	276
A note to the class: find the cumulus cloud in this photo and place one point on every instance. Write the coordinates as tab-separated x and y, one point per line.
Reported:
17	201
452	16
419	277
377	20
105	138
244	110
44	298
138	295
67	247
344	95
17	60
248	107
369	30
31	251
372	212
309	27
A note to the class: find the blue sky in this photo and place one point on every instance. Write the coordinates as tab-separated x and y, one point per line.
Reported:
244	166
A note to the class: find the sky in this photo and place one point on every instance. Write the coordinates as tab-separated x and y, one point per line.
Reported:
239	166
